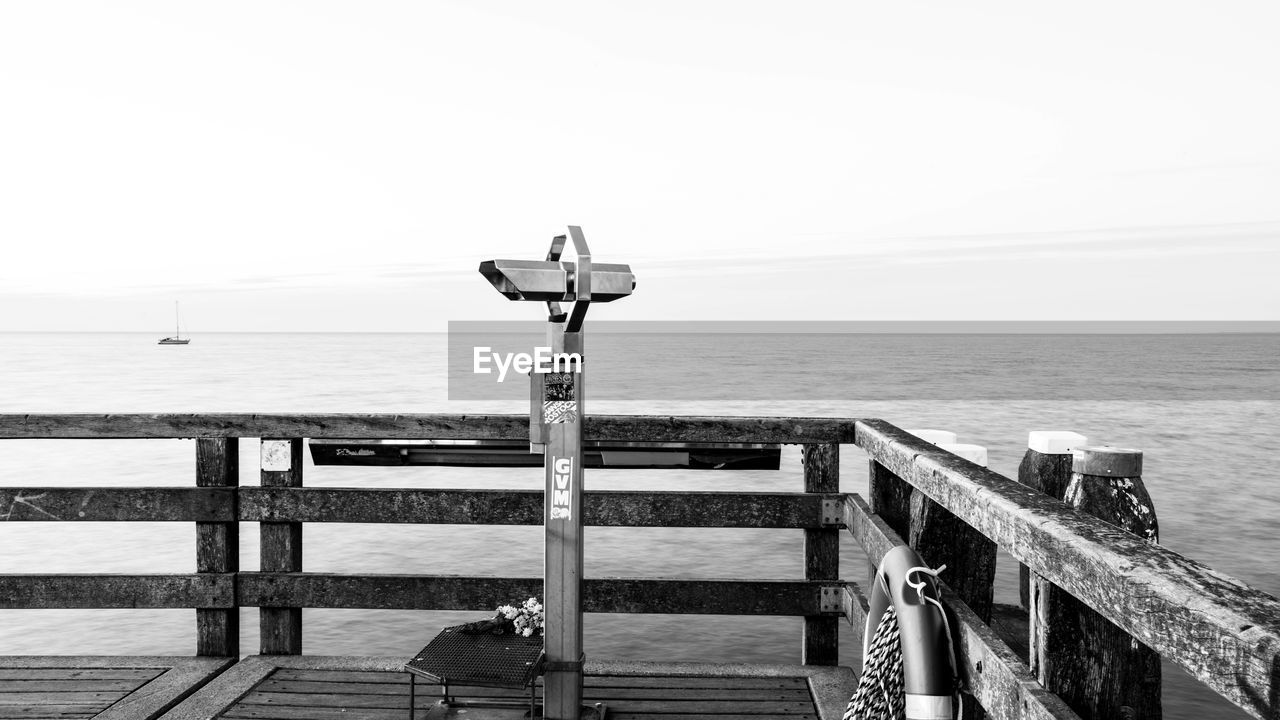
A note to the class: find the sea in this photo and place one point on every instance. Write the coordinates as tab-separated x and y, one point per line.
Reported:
1210	467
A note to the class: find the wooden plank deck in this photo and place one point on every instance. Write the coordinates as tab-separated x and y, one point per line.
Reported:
320	687
107	688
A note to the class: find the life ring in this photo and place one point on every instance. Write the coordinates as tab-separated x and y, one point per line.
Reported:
928	662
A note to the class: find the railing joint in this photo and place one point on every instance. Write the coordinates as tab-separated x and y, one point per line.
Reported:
831	599
832	512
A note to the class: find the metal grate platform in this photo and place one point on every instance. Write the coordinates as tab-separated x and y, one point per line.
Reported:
454	657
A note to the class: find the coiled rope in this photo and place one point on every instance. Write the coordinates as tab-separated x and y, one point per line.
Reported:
880	694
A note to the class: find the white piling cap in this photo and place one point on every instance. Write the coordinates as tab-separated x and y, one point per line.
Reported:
975	454
936	437
1055	442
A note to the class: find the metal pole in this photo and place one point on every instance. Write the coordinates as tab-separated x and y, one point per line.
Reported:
562	414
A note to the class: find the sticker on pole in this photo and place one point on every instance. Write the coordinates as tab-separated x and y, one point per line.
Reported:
559	402
560	412
562	493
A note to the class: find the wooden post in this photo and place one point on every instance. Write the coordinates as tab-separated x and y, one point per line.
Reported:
1046	466
821	642
890	497
281	627
218	545
1099	670
943	539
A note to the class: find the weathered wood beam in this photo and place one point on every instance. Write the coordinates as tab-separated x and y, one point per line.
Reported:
820	643
868	529
524	507
453	592
994	674
360	505
890	498
150	701
640	428
703	509
98	504
656	428
1175	605
281	547
398	505
218	544
203	590
221	693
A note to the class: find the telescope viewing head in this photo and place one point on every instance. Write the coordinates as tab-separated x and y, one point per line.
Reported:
554	281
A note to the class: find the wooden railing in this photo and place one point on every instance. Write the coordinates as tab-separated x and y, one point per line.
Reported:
1224	633
281	504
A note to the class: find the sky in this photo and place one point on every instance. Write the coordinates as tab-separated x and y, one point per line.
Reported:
325	166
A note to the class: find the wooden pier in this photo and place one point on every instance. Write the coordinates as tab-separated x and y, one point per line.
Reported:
1224	633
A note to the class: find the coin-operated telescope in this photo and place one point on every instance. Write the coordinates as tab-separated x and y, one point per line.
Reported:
555	429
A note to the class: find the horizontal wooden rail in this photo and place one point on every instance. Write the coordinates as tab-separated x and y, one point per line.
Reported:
97	504
456	507
459	507
203	590
639	428
423	592
450	592
996	676
525	507
1222	631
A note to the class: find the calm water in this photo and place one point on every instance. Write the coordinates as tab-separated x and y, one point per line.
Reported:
1209	467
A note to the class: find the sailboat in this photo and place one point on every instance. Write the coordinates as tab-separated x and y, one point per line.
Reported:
177	338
